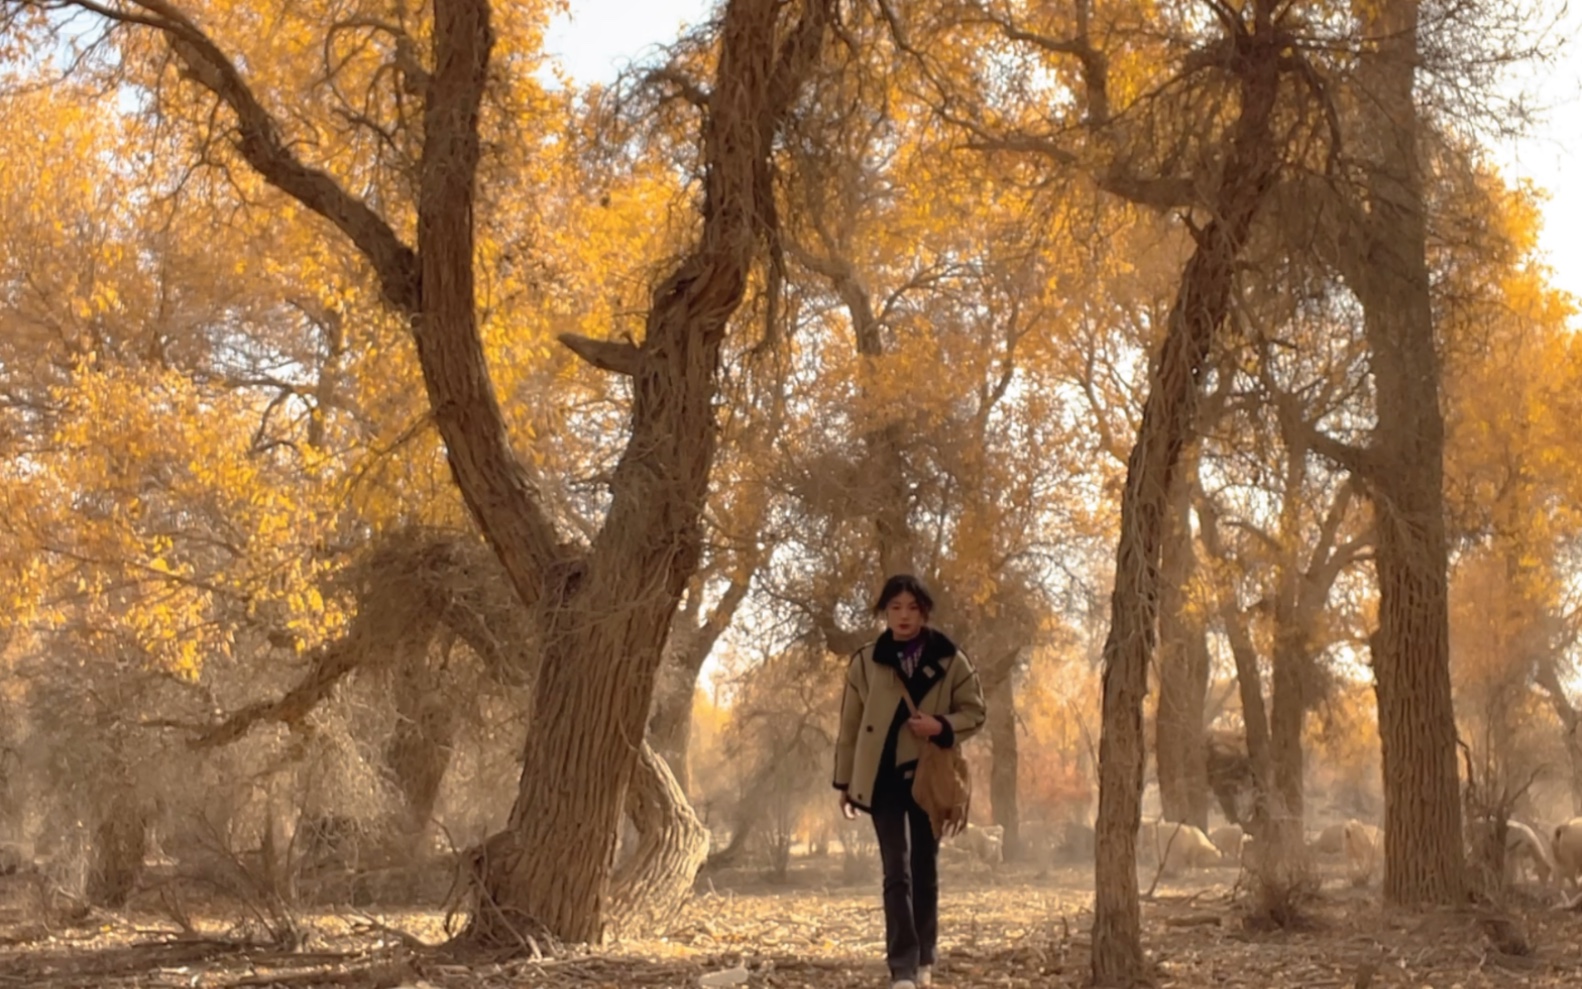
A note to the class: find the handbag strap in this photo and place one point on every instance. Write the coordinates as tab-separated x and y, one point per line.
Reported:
906	695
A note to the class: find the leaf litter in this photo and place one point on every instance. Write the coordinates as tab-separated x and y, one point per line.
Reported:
1008	929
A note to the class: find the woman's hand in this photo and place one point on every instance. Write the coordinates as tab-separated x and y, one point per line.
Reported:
924	725
848	810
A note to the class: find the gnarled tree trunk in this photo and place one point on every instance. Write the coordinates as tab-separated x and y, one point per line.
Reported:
671	844
604	636
1201	306
604	617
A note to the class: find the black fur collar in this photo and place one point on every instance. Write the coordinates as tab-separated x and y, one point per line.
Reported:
937	649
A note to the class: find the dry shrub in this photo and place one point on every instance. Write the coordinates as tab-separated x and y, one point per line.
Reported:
1277	889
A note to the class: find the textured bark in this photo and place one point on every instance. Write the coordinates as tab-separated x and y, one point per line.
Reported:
1179	753
604	639
604	617
1201	306
656	879
1423	851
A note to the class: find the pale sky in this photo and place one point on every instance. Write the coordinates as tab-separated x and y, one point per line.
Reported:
601	36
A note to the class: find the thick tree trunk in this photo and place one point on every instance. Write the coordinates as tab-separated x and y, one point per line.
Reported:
655	881
1169	412
1001	701
605	617
604	636
1423	860
1183	663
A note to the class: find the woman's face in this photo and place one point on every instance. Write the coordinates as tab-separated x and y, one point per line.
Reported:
903	616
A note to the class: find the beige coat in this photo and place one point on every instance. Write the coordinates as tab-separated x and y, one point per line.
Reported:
873	692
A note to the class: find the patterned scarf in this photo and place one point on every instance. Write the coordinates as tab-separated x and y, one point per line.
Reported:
911	655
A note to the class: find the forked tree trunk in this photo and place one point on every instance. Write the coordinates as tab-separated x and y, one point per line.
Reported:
1201	306
655	881
1183	661
604	617
1423	851
604	637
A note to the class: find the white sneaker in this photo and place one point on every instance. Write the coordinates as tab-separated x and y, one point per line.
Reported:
903	984
925	975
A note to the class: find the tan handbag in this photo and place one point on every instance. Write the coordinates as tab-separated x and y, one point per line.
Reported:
942	784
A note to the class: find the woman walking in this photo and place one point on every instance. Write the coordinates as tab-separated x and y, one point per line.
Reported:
876	758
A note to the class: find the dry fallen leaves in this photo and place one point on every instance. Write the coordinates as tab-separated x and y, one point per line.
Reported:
1009	929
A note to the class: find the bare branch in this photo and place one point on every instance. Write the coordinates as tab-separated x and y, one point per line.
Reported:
1360	461
616	357
685	86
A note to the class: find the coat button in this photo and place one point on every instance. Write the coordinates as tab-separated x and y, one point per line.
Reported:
870	727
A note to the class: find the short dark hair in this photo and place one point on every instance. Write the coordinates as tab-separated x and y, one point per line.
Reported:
904	583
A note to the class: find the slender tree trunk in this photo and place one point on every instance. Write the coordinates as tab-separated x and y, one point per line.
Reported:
670	725
1167	422
1201	306
1548	677
884	497
1248	684
1423	860
1195	739
1183	673
1288	711
1001	701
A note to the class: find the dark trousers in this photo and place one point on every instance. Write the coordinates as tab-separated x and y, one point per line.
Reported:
910	855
